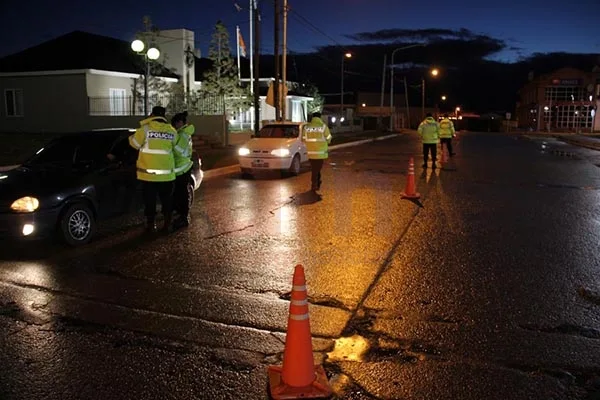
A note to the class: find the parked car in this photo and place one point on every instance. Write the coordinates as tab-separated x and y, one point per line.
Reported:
278	146
72	183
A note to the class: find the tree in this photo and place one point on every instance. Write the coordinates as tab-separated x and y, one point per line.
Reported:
308	89
222	80
160	92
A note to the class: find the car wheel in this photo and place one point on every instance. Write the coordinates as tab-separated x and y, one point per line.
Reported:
190	190
77	225
295	166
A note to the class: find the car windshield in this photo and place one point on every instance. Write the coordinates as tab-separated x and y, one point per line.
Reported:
68	150
279	131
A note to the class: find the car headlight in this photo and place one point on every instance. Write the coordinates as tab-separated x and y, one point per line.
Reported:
243	151
280	152
25	204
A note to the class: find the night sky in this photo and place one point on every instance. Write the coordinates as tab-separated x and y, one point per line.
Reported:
524	27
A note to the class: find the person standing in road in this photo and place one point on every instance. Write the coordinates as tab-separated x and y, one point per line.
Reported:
429	130
183	169
317	137
155	140
446	134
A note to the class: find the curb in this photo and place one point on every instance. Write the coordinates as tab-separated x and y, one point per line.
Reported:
232	169
8	167
581	143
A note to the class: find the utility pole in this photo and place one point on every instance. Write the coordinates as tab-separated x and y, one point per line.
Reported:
382	92
407	107
256	59
276	60
284	63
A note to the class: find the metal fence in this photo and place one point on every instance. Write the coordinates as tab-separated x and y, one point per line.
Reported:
134	105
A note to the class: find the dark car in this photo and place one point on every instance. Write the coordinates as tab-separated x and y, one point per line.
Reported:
72	183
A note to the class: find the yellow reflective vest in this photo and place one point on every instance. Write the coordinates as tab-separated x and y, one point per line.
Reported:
429	130
446	129
155	139
183	149
317	137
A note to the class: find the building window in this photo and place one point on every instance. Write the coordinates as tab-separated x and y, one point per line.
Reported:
118	101
13	101
564	93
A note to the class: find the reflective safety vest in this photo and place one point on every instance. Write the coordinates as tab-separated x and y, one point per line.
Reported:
183	149
155	139
317	137
446	129
429	130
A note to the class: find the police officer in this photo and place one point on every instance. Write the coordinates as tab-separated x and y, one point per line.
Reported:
155	140
429	130
446	134
183	169
317	137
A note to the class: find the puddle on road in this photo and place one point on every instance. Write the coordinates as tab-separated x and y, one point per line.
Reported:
353	348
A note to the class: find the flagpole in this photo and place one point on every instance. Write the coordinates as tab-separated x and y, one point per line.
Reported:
237	36
252	7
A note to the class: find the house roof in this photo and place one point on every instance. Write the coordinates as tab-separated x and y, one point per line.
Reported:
78	50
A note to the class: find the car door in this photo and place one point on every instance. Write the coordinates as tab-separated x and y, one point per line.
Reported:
107	176
123	172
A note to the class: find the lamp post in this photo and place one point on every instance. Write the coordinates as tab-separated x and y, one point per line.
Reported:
151	54
346	55
392	85
434	72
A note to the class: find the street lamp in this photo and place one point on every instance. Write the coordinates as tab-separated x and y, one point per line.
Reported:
151	54
443	98
434	72
346	55
393	120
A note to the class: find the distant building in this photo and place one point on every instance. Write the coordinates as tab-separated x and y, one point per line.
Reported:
81	81
564	100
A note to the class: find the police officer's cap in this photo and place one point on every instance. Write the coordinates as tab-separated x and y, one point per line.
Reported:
158	111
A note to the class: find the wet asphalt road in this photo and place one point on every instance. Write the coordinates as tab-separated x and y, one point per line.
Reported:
488	287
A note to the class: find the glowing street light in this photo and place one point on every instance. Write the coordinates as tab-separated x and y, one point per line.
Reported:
434	72
443	98
151	54
346	55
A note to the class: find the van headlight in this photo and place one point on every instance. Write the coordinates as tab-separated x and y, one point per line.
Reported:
243	151
280	152
25	204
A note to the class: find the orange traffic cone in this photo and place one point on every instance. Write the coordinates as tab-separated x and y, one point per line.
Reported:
298	378
411	192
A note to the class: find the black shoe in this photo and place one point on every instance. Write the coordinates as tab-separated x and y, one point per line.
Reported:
166	225
150	226
181	222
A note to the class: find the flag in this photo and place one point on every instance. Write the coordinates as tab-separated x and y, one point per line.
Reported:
241	44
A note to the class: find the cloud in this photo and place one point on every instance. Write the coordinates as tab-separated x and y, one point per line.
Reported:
428	35
466	42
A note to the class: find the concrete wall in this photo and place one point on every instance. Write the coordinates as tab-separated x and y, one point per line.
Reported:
100	85
50	102
172	45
